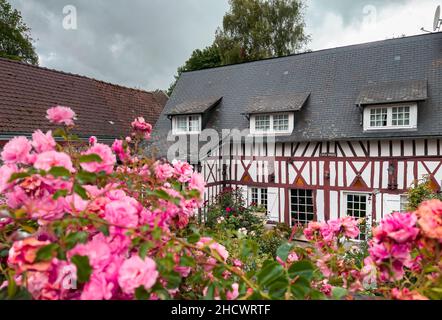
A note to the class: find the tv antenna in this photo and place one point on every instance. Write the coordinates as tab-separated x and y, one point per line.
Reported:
437	20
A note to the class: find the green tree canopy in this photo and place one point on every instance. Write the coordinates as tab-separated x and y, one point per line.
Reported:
253	30
15	38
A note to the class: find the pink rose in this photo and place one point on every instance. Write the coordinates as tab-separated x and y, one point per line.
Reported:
43	142
135	273
197	183
97	250
97	288
105	153
430	219
47	160
232	295
123	213
163	171
61	115
93	140
23	255
16	151
6	172
141	126
119	150
209	242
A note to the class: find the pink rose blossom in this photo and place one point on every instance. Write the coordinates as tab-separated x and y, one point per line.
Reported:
6	172
163	171
430	219
135	273
197	183
105	153
141	126
61	115
123	213
47	160
93	140
220	249
97	250
16	151
97	288
43	142
234	294
23	255
120	151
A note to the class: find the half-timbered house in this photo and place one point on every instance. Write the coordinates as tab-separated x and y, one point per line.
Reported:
354	126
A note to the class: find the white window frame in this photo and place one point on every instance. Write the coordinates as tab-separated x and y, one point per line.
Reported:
175	130
368	212
403	203
259	192
390	126
254	131
313	214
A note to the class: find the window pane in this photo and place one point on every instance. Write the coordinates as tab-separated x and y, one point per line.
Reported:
401	116
262	123
357	208
194	124
378	117
181	123
302	209
281	122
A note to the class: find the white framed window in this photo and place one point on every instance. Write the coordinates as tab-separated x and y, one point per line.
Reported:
357	206
390	117
186	124
302	209
281	123
403	203
259	196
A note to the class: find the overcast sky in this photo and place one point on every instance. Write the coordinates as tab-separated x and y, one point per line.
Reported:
140	43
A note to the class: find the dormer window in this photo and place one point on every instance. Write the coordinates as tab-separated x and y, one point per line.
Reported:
390	117
272	123
186	124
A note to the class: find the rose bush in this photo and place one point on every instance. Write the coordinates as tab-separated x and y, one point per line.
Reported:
90	221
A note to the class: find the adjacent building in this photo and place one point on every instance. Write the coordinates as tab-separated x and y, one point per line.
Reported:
104	110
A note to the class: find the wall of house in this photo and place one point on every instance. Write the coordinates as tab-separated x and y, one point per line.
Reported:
382	170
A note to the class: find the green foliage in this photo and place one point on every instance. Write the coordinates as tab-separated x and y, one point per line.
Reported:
84	269
420	192
252	30
257	29
15	38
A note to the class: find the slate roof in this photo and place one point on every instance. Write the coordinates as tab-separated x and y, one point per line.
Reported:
195	107
276	103
103	109
397	91
334	77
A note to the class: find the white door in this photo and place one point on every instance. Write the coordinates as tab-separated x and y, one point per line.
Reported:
359	206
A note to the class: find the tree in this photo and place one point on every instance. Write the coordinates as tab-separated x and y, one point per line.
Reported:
253	30
258	29
15	38
200	59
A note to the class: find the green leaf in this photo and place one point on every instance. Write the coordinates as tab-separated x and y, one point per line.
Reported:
104	229
339	293
173	280
210	295
301	288
161	194
90	158
18	176
270	273
59	194
74	238
84	269
284	250
47	253
187	261
59	172
141	293
194	238
84	177
59	132
144	248
81	191
303	269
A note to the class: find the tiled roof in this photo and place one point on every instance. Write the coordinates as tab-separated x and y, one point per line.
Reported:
396	91
335	78
104	110
276	103
195	107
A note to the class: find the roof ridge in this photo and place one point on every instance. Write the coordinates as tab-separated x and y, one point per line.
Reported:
319	51
75	75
